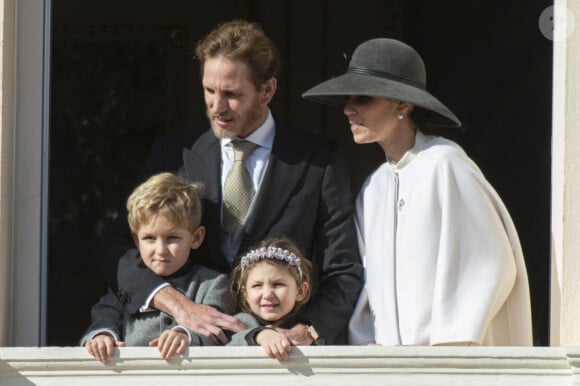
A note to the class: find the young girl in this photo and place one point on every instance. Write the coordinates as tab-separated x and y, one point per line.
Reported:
271	284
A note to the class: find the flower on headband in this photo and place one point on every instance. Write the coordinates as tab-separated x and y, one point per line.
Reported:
275	253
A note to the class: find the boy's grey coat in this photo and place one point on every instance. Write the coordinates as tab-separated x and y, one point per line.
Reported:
201	284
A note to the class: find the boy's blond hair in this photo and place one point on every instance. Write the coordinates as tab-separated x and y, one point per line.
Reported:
168	195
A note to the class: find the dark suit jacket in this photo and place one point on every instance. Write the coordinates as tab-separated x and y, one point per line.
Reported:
304	196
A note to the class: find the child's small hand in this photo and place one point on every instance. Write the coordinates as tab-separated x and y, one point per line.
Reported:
101	347
276	344
171	342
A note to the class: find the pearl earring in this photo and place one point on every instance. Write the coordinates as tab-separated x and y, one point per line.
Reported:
400	115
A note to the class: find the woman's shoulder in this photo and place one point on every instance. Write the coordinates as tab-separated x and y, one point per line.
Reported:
436	146
446	157
443	151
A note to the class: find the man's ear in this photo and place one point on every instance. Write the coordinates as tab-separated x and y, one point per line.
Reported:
268	89
198	237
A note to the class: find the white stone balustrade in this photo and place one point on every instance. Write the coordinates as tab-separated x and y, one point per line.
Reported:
330	365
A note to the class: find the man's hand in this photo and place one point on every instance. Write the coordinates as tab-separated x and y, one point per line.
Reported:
101	347
298	335
200	318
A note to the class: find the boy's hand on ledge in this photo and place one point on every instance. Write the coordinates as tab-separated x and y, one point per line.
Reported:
102	347
170	342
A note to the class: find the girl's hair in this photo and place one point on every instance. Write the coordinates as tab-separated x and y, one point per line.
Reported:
278	251
168	195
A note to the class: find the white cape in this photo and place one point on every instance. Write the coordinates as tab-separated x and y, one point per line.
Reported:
442	257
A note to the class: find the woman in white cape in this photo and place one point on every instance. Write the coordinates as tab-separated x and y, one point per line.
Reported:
442	257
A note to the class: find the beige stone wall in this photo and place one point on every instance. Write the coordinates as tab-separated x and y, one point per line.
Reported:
320	365
21	122
27	263
566	176
7	43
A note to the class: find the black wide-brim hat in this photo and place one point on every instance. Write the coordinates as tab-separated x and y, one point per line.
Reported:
385	68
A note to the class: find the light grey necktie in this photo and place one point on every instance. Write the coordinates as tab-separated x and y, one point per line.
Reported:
238	188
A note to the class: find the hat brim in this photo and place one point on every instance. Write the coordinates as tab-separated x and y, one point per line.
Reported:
336	91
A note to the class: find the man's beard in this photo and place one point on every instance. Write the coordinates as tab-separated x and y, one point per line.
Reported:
244	125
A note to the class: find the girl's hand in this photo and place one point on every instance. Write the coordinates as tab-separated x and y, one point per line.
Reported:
170	342
101	347
275	343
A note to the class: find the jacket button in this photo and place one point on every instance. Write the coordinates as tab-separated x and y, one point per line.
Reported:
401	204
123	297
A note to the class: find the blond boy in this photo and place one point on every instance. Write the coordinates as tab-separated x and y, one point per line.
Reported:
164	215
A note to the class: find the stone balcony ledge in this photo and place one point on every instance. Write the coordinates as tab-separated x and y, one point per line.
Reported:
322	365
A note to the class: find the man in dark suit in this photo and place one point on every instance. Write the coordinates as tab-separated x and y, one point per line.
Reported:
301	192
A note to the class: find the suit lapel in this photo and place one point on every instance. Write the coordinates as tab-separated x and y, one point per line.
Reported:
203	163
288	162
